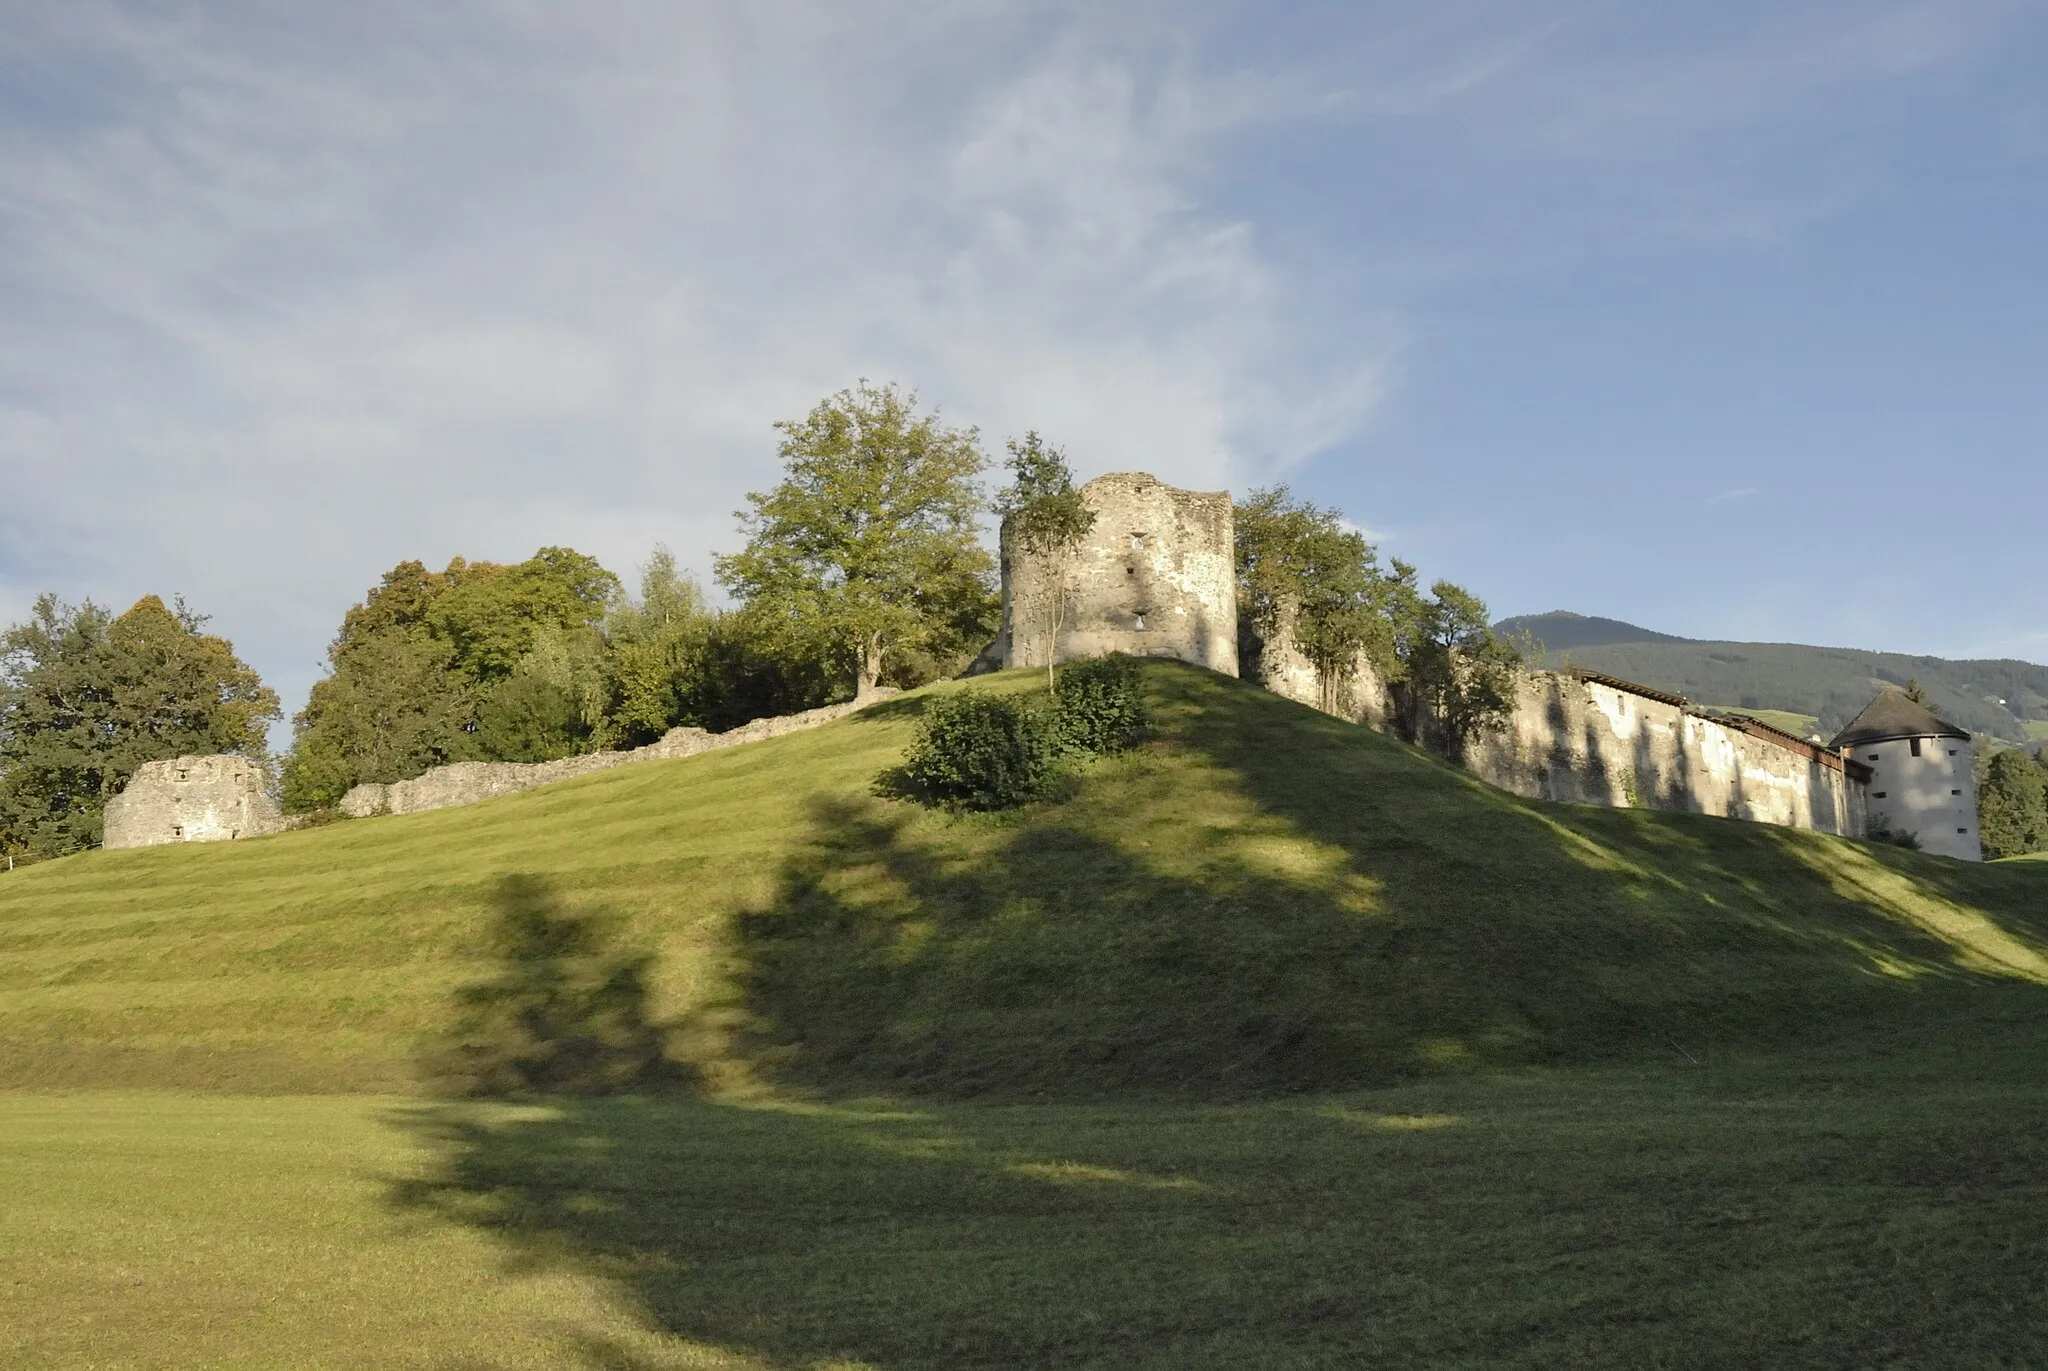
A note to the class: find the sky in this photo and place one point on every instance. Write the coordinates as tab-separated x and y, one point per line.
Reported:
1722	318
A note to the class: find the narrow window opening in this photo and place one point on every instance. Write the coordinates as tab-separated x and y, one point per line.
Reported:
1137	541
1879	795
1141	621
177	830
1951	752
181	774
1874	756
1955	792
1962	830
1916	747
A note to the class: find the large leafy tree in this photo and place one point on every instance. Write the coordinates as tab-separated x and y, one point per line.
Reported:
1047	518
479	661
1301	572
86	699
867	548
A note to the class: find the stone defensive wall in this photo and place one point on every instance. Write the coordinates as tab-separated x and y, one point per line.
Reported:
1595	739
466	783
1155	577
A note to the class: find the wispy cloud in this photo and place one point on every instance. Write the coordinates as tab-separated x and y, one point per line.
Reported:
287	295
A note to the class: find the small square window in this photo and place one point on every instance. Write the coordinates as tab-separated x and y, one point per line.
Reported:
1874	756
1951	752
1955	792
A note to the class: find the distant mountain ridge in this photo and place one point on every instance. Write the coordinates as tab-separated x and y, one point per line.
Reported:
2001	697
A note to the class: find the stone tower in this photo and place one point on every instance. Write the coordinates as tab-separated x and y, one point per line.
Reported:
1155	577
1922	781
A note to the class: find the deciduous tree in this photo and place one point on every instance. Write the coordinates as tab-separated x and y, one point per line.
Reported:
867	547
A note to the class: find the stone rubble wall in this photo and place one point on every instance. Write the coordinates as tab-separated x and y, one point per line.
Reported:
466	783
1362	696
1155	577
200	799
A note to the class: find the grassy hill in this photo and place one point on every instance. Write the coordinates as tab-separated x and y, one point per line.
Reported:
2007	699
1274	1044
1261	899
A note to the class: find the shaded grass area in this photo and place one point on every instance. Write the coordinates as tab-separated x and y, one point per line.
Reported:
1816	1212
1259	899
1268	899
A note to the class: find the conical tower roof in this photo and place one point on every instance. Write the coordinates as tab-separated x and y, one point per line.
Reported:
1892	715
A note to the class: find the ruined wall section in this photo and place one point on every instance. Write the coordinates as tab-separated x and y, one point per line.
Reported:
1362	695
467	783
1592	741
1156	577
197	799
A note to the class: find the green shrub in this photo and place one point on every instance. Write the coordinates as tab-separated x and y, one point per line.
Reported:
981	751
1099	708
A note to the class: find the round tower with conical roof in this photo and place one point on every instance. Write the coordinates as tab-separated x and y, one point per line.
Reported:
1922	781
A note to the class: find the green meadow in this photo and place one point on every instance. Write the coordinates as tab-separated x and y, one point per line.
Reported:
1274	1043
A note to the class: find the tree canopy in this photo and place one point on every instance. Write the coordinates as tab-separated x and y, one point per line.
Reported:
2012	805
1301	572
86	699
867	548
480	661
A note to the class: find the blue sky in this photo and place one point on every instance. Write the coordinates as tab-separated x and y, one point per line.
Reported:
1722	318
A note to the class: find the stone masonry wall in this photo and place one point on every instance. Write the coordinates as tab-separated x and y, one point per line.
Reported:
465	783
191	800
1156	577
1594	742
1362	696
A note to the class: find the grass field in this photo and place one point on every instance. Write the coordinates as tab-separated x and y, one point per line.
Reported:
1784	720
2037	729
1275	1044
1813	1212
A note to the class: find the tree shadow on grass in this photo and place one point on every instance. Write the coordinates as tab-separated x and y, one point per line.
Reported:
1233	917
565	1013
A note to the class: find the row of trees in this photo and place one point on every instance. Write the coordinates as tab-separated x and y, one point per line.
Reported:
863	565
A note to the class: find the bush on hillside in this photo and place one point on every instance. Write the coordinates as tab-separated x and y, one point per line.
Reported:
980	751
1099	707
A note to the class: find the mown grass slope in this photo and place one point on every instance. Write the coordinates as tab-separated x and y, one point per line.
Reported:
1259	899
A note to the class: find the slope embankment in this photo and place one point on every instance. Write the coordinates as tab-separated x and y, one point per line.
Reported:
1261	898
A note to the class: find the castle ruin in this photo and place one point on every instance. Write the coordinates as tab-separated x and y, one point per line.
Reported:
192	800
1155	577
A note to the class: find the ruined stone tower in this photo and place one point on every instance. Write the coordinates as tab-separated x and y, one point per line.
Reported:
1155	577
191	800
